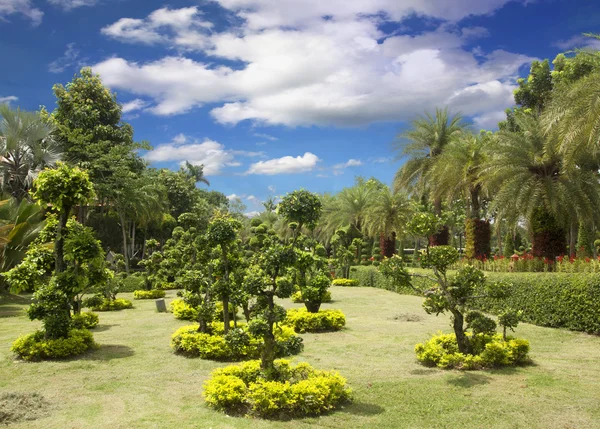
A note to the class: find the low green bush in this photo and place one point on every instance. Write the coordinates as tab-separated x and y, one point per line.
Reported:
132	282
345	282
297	297
85	320
237	344
149	294
112	305
489	351
322	321
297	390
183	311
33	347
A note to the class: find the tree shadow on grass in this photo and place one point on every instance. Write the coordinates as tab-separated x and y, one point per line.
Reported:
104	327
108	352
468	379
362	409
11	311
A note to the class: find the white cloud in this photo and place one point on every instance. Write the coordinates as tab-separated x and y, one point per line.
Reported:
338	169
181	27
265	136
8	99
285	165
489	121
209	153
252	214
72	4
23	7
69	59
340	71
272	189
251	198
233	197
578	41
138	104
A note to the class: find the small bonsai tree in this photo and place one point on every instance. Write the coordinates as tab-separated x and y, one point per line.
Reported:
449	294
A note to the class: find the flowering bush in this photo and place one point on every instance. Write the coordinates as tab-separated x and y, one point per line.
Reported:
35	346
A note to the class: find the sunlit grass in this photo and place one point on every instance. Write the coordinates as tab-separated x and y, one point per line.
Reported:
134	380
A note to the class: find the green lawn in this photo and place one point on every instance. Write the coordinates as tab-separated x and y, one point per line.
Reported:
134	380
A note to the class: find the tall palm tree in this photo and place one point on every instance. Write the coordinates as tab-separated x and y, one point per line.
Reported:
350	206
527	176
456	174
386	217
26	147
426	139
195	173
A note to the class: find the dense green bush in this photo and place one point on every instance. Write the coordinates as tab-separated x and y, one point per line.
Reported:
34	346
237	344
345	282
149	294
183	311
85	320
556	300
111	305
297	297
132	282
322	321
489	351
297	390
372	277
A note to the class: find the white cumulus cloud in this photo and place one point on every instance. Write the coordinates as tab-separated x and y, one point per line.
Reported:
8	99
72	4
285	165
22	7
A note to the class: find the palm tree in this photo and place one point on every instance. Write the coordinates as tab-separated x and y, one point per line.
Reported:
350	206
456	174
20	224
195	173
26	147
386	217
527	176
426	139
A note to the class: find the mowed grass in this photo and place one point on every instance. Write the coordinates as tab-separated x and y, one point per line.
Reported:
134	380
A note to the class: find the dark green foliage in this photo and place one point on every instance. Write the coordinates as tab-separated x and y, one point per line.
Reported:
302	207
85	320
478	234
549	239
479	323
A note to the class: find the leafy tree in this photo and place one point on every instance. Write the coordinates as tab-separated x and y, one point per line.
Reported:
27	145
452	294
300	208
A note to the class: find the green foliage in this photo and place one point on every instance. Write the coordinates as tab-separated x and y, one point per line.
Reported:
183	311
35	346
479	323
238	344
148	294
302	207
440	258
85	320
63	187
132	282
298	390
297	297
489	351
323	321
477	233
345	282
111	305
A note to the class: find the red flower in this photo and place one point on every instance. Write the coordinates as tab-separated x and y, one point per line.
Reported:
587	259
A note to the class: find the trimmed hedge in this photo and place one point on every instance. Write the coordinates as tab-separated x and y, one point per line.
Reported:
489	351
113	305
183	311
297	297
344	282
555	300
149	294
238	344
33	347
321	321
299	390
132	282
85	320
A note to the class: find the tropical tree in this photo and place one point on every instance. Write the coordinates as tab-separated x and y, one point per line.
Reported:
27	146
423	142
350	206
387	217
456	174
527	176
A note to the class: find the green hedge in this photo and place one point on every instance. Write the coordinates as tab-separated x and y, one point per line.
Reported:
132	283
556	300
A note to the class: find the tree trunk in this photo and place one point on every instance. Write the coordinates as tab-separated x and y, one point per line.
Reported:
132	239
124	233
549	238
312	306
387	245
268	352
464	346
226	313
440	238
478	235
246	311
59	249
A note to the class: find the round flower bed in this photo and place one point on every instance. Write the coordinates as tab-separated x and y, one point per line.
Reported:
344	282
297	297
33	347
298	390
237	344
489	351
149	294
321	321
86	320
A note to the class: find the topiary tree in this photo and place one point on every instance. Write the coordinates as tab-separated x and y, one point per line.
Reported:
454	294
266	279
302	208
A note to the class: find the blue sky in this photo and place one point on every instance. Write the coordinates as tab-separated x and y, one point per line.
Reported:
273	95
